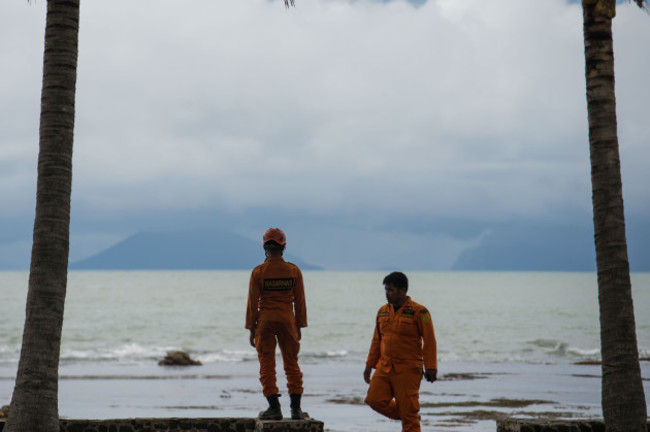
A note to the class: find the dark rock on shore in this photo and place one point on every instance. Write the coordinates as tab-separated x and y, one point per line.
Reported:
178	358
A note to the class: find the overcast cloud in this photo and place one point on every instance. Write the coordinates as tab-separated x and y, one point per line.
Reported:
455	108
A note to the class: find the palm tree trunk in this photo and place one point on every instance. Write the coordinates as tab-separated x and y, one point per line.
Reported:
623	398
34	405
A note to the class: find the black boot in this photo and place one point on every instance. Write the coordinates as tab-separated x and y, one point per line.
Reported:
296	412
274	412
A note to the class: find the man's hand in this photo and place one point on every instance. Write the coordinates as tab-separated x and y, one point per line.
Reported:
431	375
252	337
366	374
299	333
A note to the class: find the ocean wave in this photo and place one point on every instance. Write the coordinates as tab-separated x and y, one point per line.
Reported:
559	348
590	354
537	350
251	355
9	354
547	343
125	352
230	356
326	354
490	357
138	352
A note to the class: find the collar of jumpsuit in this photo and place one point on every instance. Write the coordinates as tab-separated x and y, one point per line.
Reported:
394	309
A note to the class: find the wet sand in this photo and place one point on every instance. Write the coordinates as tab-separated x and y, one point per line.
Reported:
467	396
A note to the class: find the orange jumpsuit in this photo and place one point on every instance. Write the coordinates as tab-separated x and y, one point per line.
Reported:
276	309
403	344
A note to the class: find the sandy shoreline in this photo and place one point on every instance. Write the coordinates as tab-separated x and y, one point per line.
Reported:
468	396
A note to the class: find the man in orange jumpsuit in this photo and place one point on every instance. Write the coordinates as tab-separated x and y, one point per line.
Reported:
275	314
403	349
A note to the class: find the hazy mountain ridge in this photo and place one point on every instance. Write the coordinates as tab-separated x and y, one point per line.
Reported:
408	244
186	250
505	247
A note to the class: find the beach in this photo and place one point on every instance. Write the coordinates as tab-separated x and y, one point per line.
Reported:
508	344
467	397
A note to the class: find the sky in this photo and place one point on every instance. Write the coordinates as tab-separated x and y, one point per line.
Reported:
372	131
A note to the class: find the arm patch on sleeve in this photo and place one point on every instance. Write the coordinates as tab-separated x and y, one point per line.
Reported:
424	316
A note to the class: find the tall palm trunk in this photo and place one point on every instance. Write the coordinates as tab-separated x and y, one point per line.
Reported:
623	399
34	405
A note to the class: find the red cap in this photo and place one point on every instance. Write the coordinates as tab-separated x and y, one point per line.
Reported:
276	235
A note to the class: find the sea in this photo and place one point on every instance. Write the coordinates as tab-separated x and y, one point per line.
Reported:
510	344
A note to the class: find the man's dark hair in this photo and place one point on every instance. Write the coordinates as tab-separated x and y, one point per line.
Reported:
273	245
397	279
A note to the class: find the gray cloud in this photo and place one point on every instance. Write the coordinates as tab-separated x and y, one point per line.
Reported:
465	109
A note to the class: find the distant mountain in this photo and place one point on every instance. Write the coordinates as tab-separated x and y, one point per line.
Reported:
409	243
521	246
531	247
188	250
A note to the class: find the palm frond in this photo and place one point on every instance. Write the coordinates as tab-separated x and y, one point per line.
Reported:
287	3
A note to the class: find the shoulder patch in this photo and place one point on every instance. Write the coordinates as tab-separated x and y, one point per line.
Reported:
278	284
424	316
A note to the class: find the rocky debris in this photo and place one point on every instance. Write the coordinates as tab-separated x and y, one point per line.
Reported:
178	358
462	376
548	425
4	411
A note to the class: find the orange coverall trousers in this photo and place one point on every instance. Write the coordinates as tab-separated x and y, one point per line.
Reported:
286	335
396	395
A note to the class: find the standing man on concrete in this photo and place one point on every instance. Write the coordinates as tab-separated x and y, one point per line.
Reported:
403	349
275	314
